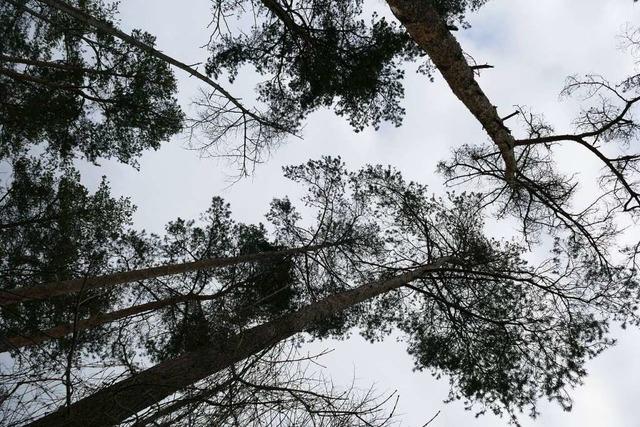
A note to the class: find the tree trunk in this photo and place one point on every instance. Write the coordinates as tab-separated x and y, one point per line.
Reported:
431	33
13	296
122	400
19	341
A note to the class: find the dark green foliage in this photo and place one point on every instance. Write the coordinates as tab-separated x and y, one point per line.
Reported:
267	286
186	325
242	294
498	364
52	228
189	239
189	329
78	92
505	333
321	54
324	53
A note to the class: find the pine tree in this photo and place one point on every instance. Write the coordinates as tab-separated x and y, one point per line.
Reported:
506	332
74	91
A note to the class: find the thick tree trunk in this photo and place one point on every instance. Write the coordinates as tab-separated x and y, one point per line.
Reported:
431	33
116	403
13	296
19	341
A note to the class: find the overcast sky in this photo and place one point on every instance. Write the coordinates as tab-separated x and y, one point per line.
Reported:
534	45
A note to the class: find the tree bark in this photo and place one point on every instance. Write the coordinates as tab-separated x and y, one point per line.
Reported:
19	341
430	31
122	400
13	296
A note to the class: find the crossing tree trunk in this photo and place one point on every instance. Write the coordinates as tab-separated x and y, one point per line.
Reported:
57	332
13	296
122	400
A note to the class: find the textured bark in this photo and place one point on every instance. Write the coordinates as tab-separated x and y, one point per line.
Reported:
431	33
116	403
19	341
13	296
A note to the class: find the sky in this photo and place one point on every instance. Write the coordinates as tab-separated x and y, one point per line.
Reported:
534	46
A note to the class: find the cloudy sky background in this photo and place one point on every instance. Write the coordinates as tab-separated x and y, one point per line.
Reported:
534	45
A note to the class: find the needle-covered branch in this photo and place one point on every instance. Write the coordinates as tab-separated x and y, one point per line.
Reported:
109	28
78	91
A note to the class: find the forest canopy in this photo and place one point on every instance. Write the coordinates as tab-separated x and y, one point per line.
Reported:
505	275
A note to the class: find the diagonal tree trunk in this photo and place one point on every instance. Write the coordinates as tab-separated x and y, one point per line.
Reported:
123	399
431	33
57	332
48	290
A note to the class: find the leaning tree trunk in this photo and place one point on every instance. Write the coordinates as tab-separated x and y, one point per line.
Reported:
124	399
57	332
48	290
430	31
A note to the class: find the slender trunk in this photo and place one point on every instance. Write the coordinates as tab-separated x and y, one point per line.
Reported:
122	400
431	33
60	66
13	296
19	341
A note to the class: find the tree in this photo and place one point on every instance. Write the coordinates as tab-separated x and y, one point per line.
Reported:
507	333
155	316
52	228
76	91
